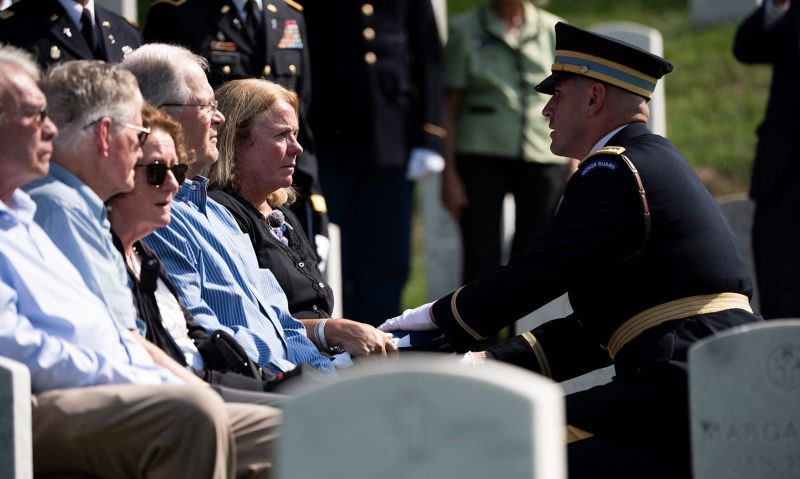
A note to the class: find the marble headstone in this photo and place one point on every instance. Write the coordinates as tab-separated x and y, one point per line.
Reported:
16	451
738	210
744	388
426	416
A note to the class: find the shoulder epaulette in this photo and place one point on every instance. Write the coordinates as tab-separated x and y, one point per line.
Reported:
607	150
6	14
294	5
174	3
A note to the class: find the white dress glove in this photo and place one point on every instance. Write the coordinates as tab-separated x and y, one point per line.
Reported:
417	319
424	162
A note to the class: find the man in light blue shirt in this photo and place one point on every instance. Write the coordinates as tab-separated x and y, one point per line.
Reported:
210	260
93	160
100	402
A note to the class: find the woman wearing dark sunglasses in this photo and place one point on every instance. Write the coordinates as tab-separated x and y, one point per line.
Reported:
134	215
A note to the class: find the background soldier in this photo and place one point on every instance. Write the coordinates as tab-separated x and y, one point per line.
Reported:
62	30
253	39
377	111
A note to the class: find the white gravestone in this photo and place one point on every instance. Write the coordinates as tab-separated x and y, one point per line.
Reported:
706	13
744	387
648	39
423	417
16	451
738	210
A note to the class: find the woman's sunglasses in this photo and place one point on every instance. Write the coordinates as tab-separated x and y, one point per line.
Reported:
157	172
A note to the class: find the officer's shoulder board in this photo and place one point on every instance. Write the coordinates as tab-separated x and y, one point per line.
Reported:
599	160
6	14
294	5
174	3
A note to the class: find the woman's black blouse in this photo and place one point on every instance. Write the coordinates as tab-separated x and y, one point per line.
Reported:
295	267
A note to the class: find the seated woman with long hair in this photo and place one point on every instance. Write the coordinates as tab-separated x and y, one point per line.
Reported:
252	178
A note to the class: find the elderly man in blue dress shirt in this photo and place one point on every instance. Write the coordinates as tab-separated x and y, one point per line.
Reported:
210	260
101	405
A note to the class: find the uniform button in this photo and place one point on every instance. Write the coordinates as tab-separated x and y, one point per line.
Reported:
314	307
321	285
292	69
369	33
226	70
367	9
370	58
301	264
267	70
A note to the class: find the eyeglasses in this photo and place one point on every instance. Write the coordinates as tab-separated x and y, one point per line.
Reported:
141	136
143	132
37	116
210	107
157	172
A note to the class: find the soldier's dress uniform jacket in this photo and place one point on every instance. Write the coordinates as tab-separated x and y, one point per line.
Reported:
598	249
214	30
378	84
776	171
44	28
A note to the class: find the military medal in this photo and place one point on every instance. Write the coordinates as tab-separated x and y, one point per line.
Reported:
291	35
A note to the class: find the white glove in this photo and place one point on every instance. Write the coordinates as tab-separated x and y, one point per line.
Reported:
417	319
423	162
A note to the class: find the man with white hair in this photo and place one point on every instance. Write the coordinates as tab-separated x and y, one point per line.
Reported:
210	260
100	405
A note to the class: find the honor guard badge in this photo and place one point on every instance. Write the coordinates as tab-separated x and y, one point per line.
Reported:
291	35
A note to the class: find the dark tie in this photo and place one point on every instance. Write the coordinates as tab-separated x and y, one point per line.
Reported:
251	25
88	31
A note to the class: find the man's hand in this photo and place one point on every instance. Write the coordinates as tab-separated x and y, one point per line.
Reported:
417	319
358	339
454	196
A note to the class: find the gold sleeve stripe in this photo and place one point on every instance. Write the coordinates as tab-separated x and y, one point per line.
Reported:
434	130
544	365
575	434
464	326
294	4
175	3
318	203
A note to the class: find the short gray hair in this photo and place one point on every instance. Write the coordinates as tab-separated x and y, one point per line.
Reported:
13	57
161	71
82	91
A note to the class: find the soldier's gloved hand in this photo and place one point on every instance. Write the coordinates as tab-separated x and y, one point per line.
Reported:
417	319
423	162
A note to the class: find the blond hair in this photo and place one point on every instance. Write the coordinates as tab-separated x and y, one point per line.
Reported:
241	101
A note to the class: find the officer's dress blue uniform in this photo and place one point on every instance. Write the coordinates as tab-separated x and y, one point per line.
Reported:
214	30
44	28
377	87
586	251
